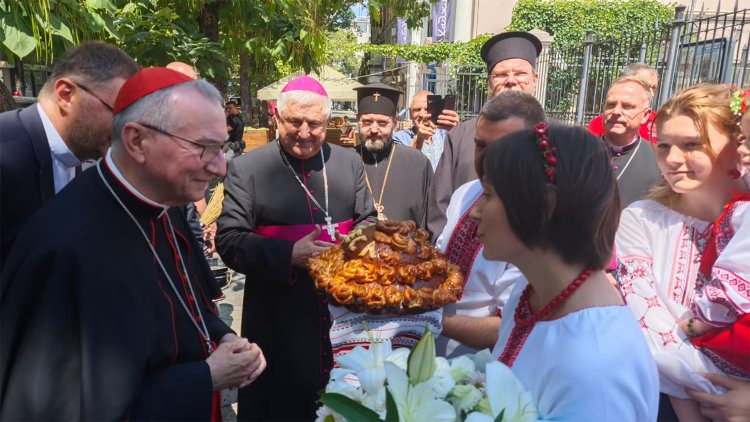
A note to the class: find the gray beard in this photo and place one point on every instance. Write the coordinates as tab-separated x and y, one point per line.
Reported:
375	146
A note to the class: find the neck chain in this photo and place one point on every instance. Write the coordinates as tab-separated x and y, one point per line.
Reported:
329	227
379	205
201	328
629	160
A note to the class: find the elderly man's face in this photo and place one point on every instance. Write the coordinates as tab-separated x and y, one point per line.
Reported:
625	109
512	75
176	167
418	107
88	130
302	128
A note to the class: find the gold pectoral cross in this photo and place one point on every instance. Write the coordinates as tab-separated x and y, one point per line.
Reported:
376	95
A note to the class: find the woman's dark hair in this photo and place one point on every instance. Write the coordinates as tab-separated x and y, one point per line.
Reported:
577	216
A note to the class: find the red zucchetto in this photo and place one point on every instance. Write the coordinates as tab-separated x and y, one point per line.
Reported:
145	82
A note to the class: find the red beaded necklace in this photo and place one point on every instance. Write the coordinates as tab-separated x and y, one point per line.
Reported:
551	306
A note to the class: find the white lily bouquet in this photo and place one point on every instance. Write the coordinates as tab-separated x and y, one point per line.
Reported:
381	384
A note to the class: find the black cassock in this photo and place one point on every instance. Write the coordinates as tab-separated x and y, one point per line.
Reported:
636	170
265	211
90	327
405	194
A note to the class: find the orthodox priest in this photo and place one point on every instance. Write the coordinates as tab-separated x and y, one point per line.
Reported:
397	176
105	306
511	66
284	203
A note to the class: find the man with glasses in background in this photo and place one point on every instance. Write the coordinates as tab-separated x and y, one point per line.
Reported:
397	176
627	107
511	66
43	147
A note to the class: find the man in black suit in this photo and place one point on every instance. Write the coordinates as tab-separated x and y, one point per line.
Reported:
43	146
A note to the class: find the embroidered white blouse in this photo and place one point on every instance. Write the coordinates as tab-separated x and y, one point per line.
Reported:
659	252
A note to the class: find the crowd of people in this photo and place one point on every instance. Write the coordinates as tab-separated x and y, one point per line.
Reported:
608	267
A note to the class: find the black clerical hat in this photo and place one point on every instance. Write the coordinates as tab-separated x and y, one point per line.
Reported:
511	45
378	99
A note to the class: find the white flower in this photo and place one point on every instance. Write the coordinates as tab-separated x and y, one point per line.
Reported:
482	358
376	402
461	367
465	397
442	384
325	414
400	357
505	391
416	403
442	366
346	389
367	364
477	379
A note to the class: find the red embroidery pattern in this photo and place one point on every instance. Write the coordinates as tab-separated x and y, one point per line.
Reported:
684	277
642	322
725	366
464	244
668	338
627	290
653	302
516	339
716	292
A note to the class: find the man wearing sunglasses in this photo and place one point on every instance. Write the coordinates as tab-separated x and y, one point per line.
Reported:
44	145
106	311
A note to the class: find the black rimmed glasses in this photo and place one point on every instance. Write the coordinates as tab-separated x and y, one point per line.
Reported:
208	151
109	107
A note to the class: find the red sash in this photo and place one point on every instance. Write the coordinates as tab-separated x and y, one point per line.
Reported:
295	233
464	244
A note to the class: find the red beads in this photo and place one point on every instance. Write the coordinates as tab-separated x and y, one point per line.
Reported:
523	302
543	143
734	174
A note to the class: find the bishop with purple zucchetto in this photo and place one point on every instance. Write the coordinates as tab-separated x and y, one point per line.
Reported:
284	203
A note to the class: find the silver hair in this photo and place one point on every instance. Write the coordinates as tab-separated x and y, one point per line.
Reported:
155	108
646	89
303	97
633	68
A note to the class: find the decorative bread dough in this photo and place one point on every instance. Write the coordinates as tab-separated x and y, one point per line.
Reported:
386	268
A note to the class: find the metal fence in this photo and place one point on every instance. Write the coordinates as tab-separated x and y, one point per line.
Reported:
693	49
574	77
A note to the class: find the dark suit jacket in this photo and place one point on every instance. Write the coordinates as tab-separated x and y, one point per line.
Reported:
26	180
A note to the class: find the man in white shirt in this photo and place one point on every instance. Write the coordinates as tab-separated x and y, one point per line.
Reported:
472	323
44	145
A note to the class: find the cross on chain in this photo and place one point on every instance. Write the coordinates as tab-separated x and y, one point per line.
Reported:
330	228
376	95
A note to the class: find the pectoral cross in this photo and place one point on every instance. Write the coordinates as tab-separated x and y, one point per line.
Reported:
376	95
379	208
330	228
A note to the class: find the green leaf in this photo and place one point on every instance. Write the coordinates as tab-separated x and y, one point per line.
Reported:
348	408
16	34
302	34
102	4
391	410
130	7
59	28
499	417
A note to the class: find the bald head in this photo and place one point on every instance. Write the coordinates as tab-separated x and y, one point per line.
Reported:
418	105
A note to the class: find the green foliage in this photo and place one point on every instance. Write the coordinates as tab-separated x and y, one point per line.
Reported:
351	410
568	20
452	53
338	52
156	36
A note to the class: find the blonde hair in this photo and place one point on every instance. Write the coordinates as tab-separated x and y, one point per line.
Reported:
705	105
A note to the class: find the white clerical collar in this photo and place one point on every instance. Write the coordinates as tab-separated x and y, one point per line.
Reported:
57	146
624	147
134	191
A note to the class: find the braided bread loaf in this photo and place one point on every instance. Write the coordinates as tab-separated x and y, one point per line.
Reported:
386	268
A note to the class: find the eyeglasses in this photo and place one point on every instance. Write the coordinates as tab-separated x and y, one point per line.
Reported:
208	151
381	125
503	76
629	111
109	107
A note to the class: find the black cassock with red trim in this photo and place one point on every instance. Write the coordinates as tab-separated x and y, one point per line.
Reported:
90	328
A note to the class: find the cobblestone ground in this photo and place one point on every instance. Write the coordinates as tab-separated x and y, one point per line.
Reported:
230	310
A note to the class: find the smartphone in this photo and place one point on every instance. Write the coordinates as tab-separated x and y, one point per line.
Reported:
449	102
434	106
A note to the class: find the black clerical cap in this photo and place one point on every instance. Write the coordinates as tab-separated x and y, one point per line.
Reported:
378	99
511	45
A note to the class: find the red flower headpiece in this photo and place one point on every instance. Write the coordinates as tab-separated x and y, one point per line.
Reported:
540	130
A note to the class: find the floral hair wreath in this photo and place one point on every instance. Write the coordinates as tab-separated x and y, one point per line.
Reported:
738	104
542	141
